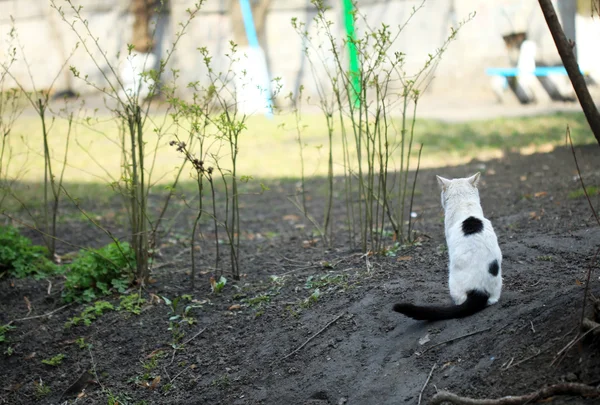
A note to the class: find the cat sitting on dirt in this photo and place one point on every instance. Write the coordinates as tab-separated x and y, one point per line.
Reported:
475	278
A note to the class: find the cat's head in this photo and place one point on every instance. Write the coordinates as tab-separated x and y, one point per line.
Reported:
459	189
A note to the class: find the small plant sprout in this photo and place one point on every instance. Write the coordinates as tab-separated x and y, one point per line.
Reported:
217	286
54	361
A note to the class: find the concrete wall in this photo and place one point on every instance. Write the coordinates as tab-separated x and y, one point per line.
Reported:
47	41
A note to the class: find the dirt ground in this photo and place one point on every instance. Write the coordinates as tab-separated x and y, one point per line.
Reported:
346	346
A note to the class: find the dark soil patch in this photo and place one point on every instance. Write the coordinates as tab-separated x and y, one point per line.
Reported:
369	355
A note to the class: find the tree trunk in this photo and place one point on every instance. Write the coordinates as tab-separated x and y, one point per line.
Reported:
260	9
565	50
142	11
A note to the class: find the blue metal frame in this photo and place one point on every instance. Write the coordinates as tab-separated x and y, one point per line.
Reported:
539	71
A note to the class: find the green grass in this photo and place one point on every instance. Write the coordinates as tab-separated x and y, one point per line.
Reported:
268	149
579	193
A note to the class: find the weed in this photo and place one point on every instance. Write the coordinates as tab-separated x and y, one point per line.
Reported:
90	313
545	258
131	303
579	193
9	351
97	271
258	301
152	363
54	361
217	286
311	300
4	329
222	382
82	343
180	315
326	281
21	258
41	390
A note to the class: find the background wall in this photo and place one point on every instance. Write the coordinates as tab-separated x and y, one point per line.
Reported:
47	41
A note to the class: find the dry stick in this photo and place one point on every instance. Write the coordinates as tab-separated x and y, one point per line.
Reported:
565	50
572	343
594	326
193	337
40	316
178	374
426	382
452	340
546	392
311	338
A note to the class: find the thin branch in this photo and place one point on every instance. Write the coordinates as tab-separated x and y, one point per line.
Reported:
40	316
452	340
193	337
311	338
573	389
565	50
426	382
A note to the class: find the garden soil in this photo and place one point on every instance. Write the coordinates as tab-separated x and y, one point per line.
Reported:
269	338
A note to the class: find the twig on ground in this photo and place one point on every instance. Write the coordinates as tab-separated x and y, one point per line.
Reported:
78	385
181	372
310	338
167	374
572	343
297	269
174	261
94	370
582	390
185	343
589	324
532	328
452	340
193	337
510	365
40	316
426	382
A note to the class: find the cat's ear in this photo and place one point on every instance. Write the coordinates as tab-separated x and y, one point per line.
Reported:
444	183
474	179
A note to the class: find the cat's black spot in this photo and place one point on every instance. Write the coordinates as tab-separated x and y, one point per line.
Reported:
472	225
494	267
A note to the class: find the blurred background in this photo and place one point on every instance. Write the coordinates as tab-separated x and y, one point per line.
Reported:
493	39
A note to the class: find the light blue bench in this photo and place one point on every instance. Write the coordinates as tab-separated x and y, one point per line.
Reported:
539	71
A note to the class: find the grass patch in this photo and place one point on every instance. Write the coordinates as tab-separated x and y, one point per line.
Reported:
274	141
592	190
54	361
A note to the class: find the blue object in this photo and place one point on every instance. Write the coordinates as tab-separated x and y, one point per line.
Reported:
249	24
539	71
253	43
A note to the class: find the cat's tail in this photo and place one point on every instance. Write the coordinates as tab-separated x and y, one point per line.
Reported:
476	301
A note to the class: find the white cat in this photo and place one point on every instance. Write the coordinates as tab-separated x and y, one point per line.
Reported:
475	278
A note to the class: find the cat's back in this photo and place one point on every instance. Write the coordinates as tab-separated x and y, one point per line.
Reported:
472	236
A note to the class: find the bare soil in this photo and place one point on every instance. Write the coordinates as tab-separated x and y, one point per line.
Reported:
348	346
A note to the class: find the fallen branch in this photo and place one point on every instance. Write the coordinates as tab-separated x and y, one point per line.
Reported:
574	389
591	325
40	316
311	338
193	337
426	382
572	343
452	340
